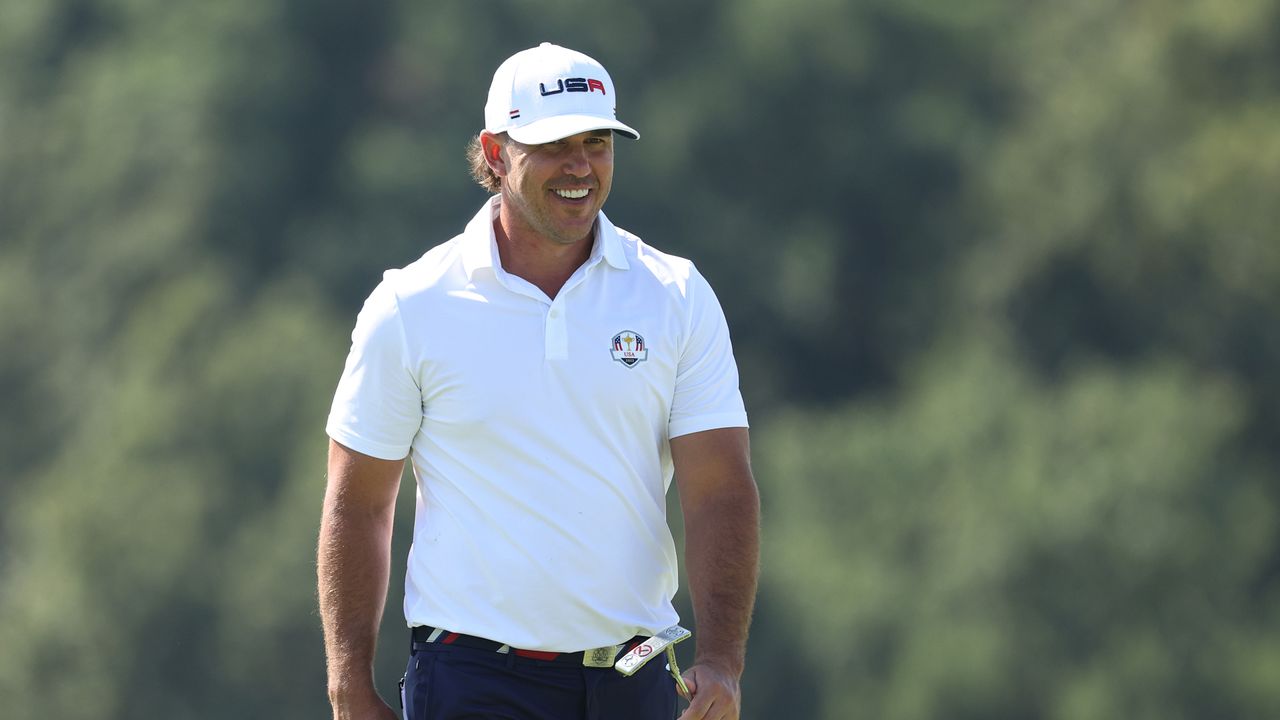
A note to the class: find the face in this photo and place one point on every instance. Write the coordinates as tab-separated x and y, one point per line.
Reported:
555	190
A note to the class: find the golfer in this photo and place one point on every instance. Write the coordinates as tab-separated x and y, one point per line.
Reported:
547	373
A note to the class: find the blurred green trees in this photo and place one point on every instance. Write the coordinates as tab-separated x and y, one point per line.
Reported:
1004	281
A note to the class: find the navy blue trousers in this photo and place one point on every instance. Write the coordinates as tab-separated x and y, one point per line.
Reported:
449	682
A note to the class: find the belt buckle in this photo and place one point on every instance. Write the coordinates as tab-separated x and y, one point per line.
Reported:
601	657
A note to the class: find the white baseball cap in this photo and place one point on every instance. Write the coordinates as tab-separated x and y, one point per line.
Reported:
551	92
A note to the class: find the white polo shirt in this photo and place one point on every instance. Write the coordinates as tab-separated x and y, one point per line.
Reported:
538	431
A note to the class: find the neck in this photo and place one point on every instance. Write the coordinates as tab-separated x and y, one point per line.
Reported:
544	263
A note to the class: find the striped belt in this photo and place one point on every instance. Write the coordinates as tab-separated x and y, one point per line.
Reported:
602	657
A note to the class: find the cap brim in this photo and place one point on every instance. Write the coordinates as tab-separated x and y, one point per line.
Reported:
562	126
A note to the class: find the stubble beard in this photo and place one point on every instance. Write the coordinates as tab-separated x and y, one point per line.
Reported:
540	218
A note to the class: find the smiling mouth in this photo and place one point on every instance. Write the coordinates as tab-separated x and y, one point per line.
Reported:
573	194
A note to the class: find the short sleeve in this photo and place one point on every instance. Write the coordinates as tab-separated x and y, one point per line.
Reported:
377	408
706	395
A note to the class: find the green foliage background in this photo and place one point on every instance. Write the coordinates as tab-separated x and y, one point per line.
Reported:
1004	282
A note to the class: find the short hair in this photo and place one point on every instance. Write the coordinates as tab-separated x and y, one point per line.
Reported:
480	169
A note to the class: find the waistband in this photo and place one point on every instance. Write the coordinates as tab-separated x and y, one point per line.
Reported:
596	657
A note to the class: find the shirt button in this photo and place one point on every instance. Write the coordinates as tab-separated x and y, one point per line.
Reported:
555	313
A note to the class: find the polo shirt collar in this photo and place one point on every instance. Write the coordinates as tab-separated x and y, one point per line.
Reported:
609	244
480	245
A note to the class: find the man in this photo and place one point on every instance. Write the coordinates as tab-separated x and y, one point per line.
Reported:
547	372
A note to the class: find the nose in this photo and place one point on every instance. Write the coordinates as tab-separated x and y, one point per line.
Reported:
575	161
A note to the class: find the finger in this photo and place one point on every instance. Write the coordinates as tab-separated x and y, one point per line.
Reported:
691	679
698	710
691	682
704	706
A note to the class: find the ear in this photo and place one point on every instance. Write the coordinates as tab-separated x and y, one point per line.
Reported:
494	153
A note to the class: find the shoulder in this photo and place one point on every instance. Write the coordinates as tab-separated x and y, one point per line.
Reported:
674	281
447	266
673	272
436	271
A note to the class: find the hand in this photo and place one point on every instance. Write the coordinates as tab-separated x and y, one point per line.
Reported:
716	694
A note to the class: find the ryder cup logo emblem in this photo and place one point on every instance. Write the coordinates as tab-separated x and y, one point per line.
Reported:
629	348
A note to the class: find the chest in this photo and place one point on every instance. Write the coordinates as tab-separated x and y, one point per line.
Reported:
597	354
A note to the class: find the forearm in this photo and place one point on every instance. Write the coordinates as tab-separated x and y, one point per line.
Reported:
722	556
353	568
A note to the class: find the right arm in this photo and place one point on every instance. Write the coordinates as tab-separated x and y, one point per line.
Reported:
354	569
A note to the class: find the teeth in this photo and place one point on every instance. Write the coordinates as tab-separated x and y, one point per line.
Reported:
573	194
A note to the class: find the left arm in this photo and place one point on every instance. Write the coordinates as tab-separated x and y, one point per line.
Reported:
721	507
